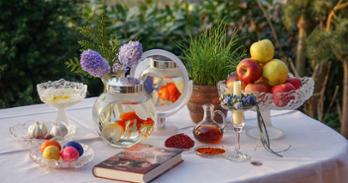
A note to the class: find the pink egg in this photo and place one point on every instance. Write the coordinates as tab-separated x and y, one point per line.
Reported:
69	154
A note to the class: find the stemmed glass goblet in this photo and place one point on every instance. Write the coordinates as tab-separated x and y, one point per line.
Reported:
61	94
237	103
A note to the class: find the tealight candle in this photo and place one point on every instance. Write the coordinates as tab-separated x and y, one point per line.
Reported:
237	116
237	88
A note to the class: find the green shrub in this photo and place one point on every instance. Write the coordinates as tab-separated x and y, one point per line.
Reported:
35	40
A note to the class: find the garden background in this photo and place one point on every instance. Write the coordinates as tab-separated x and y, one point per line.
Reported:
39	40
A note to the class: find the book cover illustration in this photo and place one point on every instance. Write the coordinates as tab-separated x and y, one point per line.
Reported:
140	158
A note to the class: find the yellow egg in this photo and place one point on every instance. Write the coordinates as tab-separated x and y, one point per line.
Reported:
51	152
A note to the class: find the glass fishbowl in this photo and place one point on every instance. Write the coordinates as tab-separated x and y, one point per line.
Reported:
163	80
166	80
124	113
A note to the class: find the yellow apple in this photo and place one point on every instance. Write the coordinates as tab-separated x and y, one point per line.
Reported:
262	51
275	72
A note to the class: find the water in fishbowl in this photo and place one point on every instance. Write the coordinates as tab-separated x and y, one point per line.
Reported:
164	90
123	125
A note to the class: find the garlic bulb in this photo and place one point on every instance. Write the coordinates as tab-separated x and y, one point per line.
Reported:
37	130
58	130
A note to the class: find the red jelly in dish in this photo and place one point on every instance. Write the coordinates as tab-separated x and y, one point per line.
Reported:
181	141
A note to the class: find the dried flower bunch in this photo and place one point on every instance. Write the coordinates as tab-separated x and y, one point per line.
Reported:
236	102
128	56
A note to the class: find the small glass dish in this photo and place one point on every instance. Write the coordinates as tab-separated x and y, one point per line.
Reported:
221	154
20	132
36	156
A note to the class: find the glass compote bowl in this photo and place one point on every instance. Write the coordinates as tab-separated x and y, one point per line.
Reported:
61	94
281	101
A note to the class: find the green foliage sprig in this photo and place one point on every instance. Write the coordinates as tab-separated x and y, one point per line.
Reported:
211	56
98	39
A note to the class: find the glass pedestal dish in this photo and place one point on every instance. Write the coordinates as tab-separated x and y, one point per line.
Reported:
62	94
281	101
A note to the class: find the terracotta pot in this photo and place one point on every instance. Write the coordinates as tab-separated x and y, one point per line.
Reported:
203	94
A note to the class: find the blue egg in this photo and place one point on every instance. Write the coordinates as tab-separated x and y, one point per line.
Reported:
76	145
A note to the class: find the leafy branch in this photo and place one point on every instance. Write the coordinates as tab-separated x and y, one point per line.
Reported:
98	39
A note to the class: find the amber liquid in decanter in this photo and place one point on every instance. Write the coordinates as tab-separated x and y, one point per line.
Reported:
208	130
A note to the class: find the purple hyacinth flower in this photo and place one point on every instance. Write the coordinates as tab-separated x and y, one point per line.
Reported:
238	105
116	67
130	53
226	100
93	63
249	100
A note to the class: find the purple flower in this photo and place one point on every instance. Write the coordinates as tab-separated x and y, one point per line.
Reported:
93	63
116	67
238	105
130	53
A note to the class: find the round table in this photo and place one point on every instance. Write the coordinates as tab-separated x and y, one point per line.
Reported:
318	153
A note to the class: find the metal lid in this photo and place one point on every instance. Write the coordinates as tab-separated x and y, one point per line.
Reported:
162	62
124	85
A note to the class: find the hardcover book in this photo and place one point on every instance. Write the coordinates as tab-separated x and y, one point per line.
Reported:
139	163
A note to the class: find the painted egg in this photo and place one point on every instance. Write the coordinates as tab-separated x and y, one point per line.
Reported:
51	152
76	145
112	132
37	130
70	153
58	130
49	143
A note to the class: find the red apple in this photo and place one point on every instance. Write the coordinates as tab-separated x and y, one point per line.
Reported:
258	87
296	82
248	70
281	97
261	80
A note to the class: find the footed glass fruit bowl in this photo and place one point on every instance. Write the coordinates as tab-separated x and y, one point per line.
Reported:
280	101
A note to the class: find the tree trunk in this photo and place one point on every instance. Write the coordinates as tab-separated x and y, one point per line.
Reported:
344	119
314	106
300	49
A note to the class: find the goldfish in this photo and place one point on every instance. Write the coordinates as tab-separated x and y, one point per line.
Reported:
169	92
133	119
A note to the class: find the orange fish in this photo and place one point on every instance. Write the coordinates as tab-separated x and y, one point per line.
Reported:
132	118
169	92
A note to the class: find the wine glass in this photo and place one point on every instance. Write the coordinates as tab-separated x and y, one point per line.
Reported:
61	94
238	124
233	101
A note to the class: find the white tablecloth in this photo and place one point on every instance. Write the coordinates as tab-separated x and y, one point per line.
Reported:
318	153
